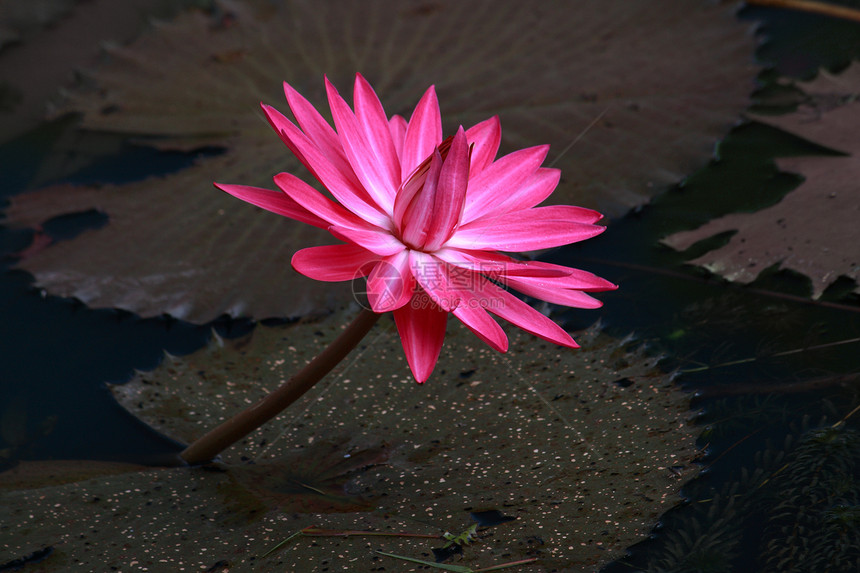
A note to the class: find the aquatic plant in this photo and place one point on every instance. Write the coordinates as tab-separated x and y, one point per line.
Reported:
815	505
800	497
423	218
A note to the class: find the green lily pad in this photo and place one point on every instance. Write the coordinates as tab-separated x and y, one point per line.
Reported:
586	448
631	96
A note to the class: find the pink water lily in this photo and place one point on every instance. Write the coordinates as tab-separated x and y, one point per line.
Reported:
424	218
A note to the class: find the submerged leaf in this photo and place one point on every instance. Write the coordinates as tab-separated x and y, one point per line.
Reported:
813	230
625	110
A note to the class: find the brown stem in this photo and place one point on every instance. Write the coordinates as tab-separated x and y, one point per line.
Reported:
223	436
814	7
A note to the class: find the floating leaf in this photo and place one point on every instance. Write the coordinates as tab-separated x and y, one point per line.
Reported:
21	17
314	479
541	431
813	230
626	111
197	275
35	474
55	39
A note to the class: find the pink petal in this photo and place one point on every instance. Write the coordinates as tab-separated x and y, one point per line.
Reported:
569	213
423	133
397	127
373	172
554	294
545	281
572	279
390	285
505	305
334	263
472	314
537	188
493	184
274	201
371	117
498	265
516	232
373	239
450	193
341	184
319	132
435	279
531	192
421	325
486	136
317	203
413	207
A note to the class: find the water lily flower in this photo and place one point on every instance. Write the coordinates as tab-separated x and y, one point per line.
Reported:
427	219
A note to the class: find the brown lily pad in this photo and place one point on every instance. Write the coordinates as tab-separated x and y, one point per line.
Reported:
625	110
313	479
221	256
37	474
20	17
814	229
43	43
581	446
586	448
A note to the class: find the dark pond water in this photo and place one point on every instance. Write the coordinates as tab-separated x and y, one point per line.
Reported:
775	375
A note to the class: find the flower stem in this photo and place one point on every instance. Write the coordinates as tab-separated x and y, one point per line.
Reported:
223	436
843	12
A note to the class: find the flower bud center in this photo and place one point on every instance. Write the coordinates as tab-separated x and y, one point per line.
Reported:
410	197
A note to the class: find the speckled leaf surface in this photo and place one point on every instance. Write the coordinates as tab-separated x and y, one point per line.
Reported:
585	448
814	229
626	111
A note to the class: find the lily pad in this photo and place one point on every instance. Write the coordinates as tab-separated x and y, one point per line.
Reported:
52	40
20	17
626	111
173	272
585	448
813	230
